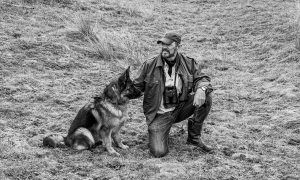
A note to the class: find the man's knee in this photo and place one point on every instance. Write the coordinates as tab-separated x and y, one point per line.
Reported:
158	152
158	142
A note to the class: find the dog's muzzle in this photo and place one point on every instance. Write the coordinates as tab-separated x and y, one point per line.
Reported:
123	99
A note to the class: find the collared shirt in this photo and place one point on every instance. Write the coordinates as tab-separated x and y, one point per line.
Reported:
170	81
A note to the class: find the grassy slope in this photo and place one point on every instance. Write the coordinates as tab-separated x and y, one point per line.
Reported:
48	73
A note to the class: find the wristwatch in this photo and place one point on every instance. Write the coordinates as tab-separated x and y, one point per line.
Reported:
204	88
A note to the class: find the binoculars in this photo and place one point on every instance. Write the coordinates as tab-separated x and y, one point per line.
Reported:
170	97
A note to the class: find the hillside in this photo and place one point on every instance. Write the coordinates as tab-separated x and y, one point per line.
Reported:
51	65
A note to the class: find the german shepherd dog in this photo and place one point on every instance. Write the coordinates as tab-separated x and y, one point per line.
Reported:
100	120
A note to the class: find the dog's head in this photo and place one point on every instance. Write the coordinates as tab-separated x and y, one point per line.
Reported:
117	90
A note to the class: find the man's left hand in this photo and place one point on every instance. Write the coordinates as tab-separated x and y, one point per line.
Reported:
199	98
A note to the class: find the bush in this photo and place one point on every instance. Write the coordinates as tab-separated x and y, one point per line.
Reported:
112	45
85	27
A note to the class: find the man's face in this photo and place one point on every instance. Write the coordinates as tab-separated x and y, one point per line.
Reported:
168	50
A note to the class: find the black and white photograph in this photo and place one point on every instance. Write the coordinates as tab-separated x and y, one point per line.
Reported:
149	89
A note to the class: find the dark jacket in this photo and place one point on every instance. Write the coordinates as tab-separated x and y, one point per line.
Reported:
150	80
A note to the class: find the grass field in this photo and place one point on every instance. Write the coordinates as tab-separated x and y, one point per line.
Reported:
57	54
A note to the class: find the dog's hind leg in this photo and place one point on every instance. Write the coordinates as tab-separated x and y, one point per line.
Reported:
107	141
82	139
116	137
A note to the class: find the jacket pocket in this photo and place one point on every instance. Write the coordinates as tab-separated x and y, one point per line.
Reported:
151	93
150	102
151	84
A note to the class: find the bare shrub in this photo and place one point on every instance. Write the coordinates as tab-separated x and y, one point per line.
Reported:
118	45
112	45
85	27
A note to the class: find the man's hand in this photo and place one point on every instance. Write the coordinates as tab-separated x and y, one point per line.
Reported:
199	98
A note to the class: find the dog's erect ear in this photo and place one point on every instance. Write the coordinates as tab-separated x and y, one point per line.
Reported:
128	73
122	80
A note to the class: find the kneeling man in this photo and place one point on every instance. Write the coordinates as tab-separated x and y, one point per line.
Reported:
174	88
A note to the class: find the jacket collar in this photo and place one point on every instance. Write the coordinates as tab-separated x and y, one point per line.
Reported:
159	62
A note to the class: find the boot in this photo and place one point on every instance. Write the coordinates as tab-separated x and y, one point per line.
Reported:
194	136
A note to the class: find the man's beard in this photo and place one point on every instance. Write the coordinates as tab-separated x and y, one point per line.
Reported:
165	53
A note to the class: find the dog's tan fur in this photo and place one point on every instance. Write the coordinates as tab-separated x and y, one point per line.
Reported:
101	119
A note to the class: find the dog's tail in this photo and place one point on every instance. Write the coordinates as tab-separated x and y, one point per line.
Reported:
81	139
54	140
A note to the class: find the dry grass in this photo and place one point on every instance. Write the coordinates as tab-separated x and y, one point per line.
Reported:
297	42
112	45
48	72
120	45
48	2
86	28
138	8
245	3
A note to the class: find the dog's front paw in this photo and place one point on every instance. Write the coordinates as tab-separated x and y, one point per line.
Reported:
113	152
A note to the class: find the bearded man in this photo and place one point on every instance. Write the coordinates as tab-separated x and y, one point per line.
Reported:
174	89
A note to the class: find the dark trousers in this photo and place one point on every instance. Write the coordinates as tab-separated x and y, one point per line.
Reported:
160	127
